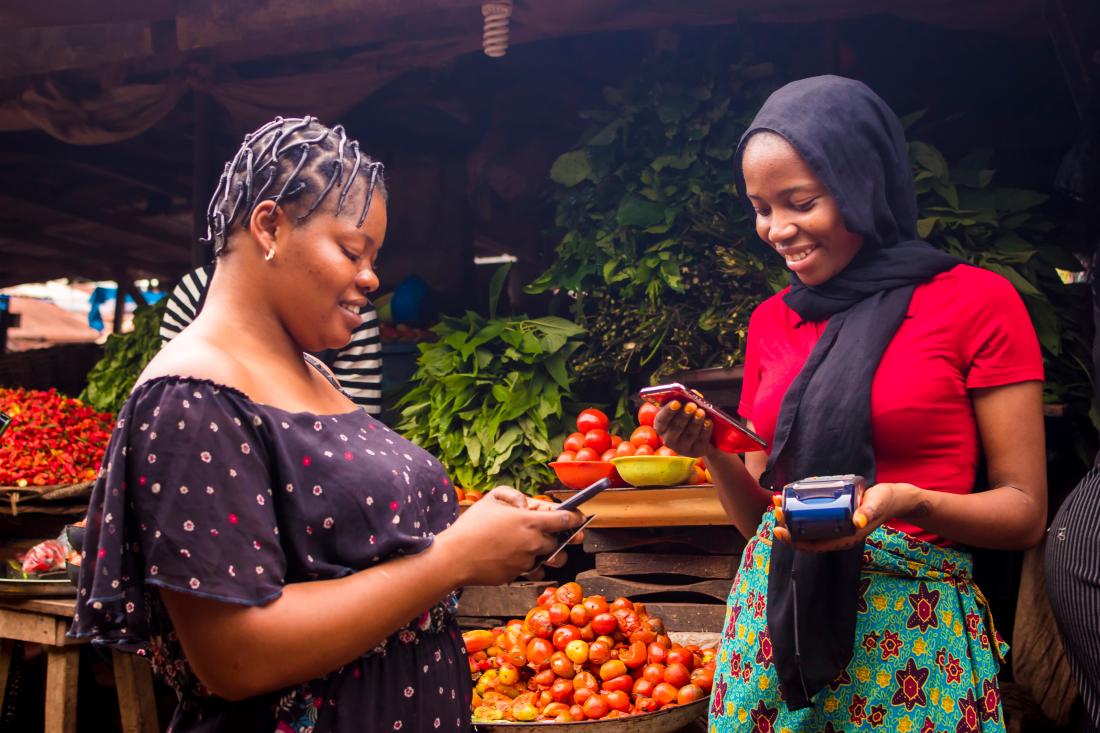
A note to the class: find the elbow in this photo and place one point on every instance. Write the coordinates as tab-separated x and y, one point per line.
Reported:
231	681
1034	536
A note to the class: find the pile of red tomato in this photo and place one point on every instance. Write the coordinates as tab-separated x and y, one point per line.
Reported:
593	441
577	658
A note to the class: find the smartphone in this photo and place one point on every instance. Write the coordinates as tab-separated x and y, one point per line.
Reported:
584	495
729	435
5	421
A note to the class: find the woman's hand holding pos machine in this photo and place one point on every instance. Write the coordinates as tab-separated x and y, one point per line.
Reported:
813	508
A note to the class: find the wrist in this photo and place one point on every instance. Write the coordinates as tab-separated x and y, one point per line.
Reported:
910	502
442	555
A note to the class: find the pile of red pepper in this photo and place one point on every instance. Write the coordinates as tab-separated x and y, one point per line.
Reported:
53	439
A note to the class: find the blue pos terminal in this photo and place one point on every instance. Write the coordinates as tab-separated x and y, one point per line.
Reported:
821	507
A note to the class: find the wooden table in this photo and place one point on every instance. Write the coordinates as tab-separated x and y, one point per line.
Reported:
45	621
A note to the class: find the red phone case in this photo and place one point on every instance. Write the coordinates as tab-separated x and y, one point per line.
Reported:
729	435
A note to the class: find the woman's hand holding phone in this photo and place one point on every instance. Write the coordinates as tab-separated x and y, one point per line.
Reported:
686	429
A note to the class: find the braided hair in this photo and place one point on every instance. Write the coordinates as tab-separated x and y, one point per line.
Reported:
295	162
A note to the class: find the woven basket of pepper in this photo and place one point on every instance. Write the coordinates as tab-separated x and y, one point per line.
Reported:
56	499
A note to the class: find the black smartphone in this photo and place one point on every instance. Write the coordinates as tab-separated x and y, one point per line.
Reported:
584	495
5	421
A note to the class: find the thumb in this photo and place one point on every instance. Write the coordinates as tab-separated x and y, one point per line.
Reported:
871	509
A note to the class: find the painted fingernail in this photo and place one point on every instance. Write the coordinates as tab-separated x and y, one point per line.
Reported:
690	408
674	405
700	415
777	500
860	520
707	424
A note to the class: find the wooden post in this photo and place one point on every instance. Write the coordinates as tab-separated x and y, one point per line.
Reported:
134	683
62	665
7	651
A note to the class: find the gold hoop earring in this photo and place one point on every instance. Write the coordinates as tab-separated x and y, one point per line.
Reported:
270	255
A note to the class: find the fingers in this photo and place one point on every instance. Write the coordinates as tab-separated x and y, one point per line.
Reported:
508	495
558	520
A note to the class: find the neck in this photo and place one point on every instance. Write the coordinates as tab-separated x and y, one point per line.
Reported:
242	323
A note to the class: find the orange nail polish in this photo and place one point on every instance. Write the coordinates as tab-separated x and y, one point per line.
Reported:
860	520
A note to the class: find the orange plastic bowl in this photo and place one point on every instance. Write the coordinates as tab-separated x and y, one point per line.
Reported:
579	474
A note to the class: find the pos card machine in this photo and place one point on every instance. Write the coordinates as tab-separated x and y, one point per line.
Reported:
821	507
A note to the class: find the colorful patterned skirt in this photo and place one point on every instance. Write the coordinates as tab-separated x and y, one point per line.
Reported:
925	660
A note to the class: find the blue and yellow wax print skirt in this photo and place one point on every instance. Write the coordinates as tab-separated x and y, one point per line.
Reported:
925	660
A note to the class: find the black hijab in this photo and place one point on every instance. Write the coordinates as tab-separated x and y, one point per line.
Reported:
855	144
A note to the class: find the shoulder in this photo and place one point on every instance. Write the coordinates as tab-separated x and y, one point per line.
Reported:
970	283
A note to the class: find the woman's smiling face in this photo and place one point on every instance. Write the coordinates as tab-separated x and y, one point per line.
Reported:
796	213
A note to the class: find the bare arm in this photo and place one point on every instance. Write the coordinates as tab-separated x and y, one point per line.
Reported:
737	482
1010	515
316	627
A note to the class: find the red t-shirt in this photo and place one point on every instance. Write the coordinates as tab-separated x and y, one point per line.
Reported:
965	328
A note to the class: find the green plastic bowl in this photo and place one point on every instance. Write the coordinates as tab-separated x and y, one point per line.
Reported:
654	470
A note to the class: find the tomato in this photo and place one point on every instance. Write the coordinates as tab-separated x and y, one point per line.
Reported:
646	414
663	640
664	450
538	622
517	655
634	656
559	613
596	604
656	654
579	615
585	680
524	711
616	440
703	678
599	652
565	634
677	675
543	680
587	633
623	683
596	707
570	594
478	640
539	652
577	651
562	666
597	440
608	455
622	603
576	712
643	635
592	419
618	700
625	448
579	696
546	597
604	623
654	673
612	668
643	687
682	656
628	621
645	705
566	457
641	450
587	454
664	693
508	674
574	442
689	693
645	435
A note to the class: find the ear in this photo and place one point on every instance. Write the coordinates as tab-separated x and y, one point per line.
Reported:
264	224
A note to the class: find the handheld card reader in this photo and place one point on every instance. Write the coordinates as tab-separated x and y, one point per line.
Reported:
821	507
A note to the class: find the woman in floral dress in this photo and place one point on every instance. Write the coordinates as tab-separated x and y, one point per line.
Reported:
285	561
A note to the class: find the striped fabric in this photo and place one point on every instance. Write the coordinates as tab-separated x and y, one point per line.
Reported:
1073	582
358	366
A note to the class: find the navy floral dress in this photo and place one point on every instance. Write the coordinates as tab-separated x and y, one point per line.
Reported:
204	491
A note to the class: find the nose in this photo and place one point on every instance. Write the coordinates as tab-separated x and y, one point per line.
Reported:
781	229
366	280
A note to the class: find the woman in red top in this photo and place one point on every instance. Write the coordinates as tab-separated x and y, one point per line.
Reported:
888	359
